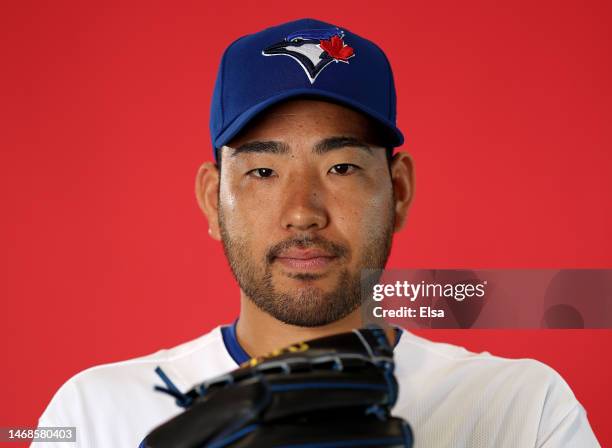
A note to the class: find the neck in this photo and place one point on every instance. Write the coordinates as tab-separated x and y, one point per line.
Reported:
258	333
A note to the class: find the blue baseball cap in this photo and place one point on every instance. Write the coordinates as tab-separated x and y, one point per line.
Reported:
303	58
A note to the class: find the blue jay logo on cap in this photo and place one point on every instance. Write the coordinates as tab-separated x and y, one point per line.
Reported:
313	49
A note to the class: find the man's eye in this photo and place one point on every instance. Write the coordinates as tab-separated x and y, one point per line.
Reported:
261	172
343	169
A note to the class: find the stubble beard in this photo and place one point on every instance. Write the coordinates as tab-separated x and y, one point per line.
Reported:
309	306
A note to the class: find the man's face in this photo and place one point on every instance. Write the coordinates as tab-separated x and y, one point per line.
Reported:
305	203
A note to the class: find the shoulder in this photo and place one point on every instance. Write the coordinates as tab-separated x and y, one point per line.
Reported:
441	354
471	388
121	393
455	365
206	348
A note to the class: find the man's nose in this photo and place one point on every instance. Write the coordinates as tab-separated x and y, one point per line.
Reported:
304	205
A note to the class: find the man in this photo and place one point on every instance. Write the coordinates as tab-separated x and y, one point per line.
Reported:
304	195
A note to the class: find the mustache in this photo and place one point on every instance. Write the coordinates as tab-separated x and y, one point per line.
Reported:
306	242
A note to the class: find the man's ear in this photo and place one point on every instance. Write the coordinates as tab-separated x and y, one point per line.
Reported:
402	179
207	193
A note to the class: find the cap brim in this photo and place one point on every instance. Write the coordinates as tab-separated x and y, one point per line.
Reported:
393	135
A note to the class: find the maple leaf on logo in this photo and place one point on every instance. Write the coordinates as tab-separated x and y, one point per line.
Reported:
336	48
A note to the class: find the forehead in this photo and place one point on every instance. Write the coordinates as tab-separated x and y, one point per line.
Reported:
308	119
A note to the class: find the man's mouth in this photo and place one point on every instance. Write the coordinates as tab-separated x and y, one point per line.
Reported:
308	259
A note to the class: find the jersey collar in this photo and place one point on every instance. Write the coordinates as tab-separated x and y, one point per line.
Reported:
239	355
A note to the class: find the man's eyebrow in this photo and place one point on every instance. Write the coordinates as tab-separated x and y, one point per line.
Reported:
271	147
331	143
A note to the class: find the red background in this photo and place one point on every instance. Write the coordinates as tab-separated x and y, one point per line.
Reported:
104	121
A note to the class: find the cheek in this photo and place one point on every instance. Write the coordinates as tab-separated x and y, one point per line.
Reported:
244	211
361	217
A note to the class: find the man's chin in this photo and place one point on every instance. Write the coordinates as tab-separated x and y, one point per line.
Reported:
307	302
292	282
308	308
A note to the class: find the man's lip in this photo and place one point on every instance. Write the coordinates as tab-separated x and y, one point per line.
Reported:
313	264
304	254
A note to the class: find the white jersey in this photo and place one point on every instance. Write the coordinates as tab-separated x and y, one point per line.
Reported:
451	397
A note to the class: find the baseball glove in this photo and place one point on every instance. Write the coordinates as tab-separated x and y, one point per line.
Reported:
335	391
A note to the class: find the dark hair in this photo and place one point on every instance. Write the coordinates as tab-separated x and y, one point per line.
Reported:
388	153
